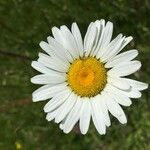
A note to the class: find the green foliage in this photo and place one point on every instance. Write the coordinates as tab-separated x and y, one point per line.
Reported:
23	24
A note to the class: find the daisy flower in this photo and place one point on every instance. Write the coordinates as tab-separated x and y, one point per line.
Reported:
86	79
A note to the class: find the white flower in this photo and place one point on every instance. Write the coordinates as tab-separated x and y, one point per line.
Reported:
86	79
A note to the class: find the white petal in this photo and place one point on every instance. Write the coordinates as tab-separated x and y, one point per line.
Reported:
58	35
125	69
52	63
66	107
122	43
136	84
107	34
42	88
70	43
115	109
73	116
47	91
122	119
48	79
132	93
62	41
101	28
41	68
44	55
85	116
46	47
87	34
97	117
77	35
113	106
121	99
90	40
103	107
111	48
121	58
59	51
59	61
61	125
126	41
57	100
50	116
118	82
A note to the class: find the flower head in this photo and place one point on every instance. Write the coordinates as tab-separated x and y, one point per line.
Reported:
86	79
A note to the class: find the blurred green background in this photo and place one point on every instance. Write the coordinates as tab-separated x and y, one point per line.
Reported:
23	24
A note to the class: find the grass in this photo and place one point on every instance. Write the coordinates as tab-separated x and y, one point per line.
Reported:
23	24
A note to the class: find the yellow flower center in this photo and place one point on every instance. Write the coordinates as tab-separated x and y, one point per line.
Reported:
87	77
